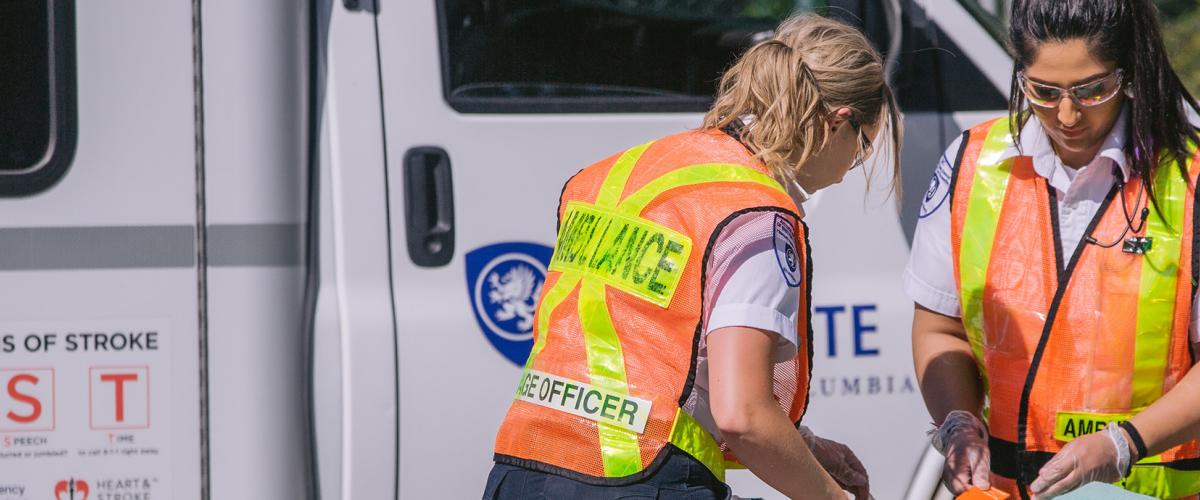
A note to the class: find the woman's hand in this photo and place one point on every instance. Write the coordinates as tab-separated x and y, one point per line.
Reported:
1102	456
949	380
962	439
840	462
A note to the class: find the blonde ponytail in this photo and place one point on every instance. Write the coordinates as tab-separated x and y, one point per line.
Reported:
791	82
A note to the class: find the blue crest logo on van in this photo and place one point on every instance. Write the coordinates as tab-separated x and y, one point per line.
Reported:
504	281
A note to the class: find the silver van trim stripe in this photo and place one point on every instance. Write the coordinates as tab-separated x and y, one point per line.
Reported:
53	248
254	245
147	247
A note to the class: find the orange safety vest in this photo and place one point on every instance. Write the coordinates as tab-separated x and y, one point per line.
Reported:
619	321
1068	344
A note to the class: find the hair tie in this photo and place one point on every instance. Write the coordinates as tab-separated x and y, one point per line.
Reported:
1136	437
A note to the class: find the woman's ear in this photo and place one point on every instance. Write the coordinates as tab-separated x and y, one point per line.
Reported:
838	117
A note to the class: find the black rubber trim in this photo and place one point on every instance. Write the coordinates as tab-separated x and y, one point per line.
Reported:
712	240
558	208
1063	282
808	273
1054	225
201	250
1195	254
60	152
957	166
1195	238
319	16
668	451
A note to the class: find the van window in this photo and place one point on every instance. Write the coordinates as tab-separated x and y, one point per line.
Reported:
36	92
596	55
546	56
932	73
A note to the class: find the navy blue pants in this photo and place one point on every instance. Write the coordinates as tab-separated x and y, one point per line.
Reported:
680	477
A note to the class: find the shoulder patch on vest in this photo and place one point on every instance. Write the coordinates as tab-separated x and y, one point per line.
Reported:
939	189
785	251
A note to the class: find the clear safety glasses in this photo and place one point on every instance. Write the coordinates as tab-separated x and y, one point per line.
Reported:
864	144
1087	95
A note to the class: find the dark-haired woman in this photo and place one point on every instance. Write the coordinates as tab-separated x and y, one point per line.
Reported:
1055	267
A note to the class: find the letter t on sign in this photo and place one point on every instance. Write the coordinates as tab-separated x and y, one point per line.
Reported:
120	397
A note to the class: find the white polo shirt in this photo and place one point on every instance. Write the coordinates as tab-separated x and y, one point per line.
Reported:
929	277
751	283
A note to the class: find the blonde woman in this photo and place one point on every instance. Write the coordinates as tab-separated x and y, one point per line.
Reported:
672	334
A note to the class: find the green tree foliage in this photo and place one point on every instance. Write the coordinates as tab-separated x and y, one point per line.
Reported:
1181	29
1175	8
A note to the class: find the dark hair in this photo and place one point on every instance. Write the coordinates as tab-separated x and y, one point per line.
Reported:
1125	31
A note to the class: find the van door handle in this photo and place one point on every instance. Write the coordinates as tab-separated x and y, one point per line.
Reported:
429	206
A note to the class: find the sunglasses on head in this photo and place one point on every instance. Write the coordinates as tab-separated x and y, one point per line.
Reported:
1087	95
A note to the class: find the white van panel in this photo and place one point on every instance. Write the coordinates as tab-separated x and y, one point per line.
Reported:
112	247
255	103
355	298
508	170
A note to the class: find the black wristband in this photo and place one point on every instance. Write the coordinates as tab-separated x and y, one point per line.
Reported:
1136	437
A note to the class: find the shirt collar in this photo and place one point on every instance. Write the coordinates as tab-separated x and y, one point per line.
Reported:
1035	143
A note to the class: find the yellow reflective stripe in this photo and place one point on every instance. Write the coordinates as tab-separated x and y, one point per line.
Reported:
979	229
642	258
1161	482
1069	425
696	174
619	449
995	144
689	436
553	298
618	175
1157	291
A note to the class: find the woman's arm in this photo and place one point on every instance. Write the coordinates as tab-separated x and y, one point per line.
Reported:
950	384
946	370
751	421
1172	419
1105	456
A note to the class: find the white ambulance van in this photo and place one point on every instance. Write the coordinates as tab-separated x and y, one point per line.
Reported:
278	249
